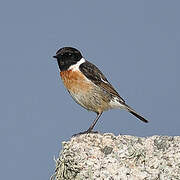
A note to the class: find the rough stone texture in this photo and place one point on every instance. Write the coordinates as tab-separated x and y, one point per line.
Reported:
105	156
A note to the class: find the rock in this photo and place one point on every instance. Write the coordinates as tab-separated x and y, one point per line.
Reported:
106	156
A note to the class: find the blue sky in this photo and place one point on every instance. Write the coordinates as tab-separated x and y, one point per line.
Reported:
136	44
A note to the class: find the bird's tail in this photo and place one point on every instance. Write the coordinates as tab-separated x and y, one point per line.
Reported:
132	111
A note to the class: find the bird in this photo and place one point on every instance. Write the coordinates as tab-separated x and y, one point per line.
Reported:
88	86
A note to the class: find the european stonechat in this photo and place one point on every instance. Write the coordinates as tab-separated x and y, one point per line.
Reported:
88	86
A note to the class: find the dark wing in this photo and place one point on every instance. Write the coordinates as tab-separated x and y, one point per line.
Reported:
96	76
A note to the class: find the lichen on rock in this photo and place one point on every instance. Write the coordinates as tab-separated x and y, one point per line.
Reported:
106	156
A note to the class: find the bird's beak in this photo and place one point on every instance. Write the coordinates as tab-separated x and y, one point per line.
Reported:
55	57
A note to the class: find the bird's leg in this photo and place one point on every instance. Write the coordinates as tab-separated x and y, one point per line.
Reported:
91	127
94	123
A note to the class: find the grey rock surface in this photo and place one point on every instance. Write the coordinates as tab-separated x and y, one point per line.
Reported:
123	157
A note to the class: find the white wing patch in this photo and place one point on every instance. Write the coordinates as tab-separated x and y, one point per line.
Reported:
75	67
104	80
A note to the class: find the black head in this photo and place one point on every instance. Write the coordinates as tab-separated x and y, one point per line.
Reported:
66	57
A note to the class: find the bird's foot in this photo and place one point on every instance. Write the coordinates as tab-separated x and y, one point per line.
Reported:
85	132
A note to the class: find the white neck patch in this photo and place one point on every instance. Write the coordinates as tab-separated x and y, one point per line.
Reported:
75	67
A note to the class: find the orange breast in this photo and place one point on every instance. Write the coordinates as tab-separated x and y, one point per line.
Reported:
75	82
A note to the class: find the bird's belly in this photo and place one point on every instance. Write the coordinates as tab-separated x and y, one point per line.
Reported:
84	92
